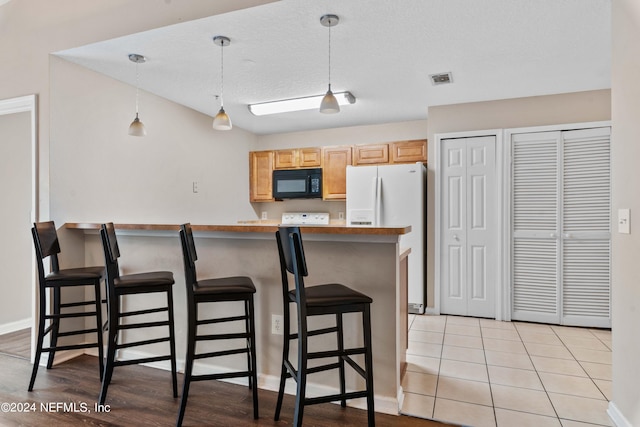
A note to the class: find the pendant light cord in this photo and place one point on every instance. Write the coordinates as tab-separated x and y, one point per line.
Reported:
221	73
329	53
137	88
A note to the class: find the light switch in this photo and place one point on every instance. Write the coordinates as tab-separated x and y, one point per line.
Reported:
624	221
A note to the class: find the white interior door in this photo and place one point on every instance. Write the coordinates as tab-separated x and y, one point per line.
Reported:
468	229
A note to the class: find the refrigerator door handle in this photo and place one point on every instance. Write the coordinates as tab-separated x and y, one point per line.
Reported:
378	201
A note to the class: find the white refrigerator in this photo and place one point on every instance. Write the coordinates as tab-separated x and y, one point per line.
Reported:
393	195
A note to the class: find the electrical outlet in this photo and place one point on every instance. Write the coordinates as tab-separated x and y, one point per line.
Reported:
195	186
264	215
340	215
276	324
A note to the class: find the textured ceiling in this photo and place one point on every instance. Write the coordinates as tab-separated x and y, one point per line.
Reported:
382	51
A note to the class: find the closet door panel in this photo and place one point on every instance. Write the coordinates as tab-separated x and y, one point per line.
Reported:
535	292
586	233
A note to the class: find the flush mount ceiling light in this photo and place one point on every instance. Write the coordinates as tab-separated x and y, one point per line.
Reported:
222	121
136	128
298	104
329	103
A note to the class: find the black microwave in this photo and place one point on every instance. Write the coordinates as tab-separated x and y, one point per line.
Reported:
297	184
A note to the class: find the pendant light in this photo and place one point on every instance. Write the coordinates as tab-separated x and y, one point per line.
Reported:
136	128
329	103
222	121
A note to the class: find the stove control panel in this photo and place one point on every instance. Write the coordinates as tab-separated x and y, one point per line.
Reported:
302	218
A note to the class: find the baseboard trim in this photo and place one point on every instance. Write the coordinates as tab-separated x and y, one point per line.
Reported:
619	420
15	326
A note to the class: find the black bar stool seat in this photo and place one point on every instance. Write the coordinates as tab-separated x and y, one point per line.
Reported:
326	299
133	284
45	239
217	288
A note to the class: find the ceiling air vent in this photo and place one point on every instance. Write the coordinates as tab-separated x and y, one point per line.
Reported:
441	78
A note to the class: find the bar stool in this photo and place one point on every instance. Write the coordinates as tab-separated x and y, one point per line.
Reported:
236	288
45	240
328	299
127	285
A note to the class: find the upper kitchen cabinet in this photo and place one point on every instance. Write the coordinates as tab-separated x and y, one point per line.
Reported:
260	176
370	154
408	151
298	158
334	172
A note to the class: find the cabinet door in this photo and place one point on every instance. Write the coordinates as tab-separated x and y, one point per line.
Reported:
334	172
370	154
285	159
409	151
260	176
310	157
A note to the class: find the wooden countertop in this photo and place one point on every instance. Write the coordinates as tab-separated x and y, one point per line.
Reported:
250	228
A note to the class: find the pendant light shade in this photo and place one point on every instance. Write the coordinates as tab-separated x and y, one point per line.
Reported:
329	103
136	128
222	121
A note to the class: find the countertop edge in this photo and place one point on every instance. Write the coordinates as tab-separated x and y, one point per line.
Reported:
248	228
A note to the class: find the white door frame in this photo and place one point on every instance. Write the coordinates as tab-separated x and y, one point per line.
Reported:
500	308
29	104
506	270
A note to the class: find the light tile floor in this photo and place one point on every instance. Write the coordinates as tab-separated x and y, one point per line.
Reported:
481	372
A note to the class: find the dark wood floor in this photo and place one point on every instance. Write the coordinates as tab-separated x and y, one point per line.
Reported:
17	343
141	396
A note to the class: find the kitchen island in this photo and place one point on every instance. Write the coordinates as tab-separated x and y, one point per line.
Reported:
366	259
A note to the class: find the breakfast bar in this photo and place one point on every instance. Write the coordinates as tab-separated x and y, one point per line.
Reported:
369	260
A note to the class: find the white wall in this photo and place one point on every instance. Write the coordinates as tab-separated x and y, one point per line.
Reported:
99	173
625	152
15	191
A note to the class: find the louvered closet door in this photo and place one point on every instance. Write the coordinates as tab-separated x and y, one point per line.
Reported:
560	227
586	234
535	245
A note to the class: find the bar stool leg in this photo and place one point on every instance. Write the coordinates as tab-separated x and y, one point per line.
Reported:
368	360
254	365
172	343
99	328
340	337
39	342
188	367
285	355
55	326
112	341
302	373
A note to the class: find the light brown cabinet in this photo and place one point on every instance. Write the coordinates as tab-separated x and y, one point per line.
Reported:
370	154
334	172
409	151
332	160
298	158
260	176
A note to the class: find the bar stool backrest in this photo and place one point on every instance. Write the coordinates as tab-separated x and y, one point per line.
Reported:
189	256
45	241
292	261
111	251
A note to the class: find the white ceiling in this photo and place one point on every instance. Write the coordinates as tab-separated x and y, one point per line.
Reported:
382	51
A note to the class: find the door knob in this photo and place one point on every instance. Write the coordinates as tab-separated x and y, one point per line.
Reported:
456	238
553	235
